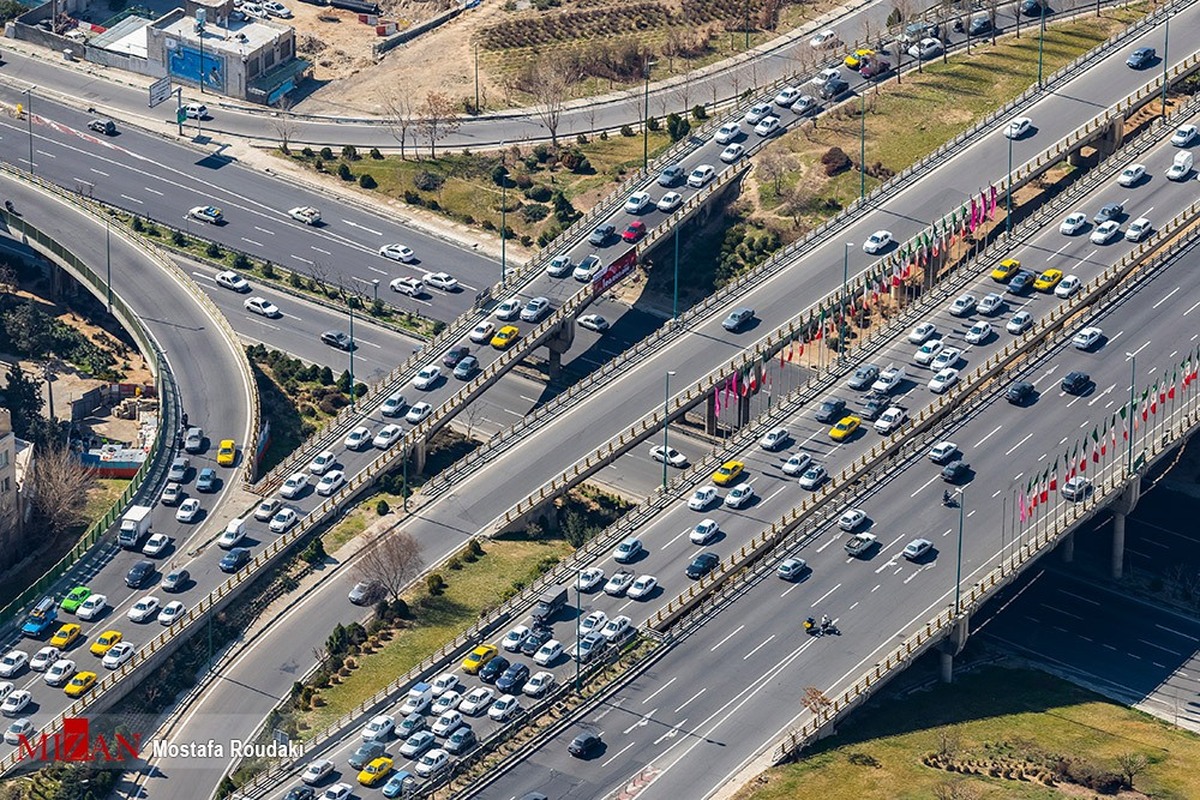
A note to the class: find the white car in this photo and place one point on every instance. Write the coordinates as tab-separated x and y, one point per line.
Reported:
19	728
447	701
787	95
397	252
926	48
888	380
1138	229
943	380
587	268
669	202
447	723
922	333
980	332
144	609
1067	287
262	306
535	309
637	202
446	682
615	627
890	419
592	623
330	482
418	413
483	332
851	519
739	496
1132	174
320	464
505	706
477	700
1087	338
358	439
267	508
118	654
963	305
797	464
234	532
824	40
942	452
669	455
700	176
13	663
378	729
1105	232
990	305
433	762
877	241
1184	135
774	439
1018	127
589	579
549	652
825	76
276	9
513	640
210	214
388	435
704	532
59	672
92	608
947	358
1020	322
339	791
294	485
427	377
171	612
284	519
15	703
702	498
727	133
618	583
768	127
317	771
306	214
156	545
757	113
510	309
441	280
188	510
917	548
644	586
732	153
44	658
1073	223
231	280
538	683
393	405
928	352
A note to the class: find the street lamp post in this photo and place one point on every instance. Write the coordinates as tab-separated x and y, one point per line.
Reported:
842	315
675	292
666	423
578	614
862	147
962	503
29	121
1166	49
108	259
646	116
1132	410
1041	37
350	308
375	288
1008	195
503	219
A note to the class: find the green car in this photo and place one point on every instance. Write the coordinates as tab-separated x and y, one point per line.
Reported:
75	598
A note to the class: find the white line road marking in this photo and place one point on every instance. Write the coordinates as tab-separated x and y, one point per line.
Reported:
790	589
690	699
1177	633
132	199
1166	297
618	753
723	641
319	250
300	258
924	486
761	646
1135	352
985	438
822	597
362	227
264	230
100	172
1060	611
1058	252
376	269
1045	375
676	537
659	689
1190	310
672	732
641	723
152	191
1160	647
1010	450
251	241
1078	597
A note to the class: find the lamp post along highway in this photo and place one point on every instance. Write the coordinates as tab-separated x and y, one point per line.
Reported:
862	146
108	260
579	610
503	219
1008	194
962	503
350	308
1132	410
842	303
646	115
666	424
29	122
1166	49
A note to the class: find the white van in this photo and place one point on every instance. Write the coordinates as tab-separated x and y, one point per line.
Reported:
1181	168
235	531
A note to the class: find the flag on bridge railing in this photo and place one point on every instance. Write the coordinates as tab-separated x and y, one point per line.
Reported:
1174	381
1095	445
1124	427
1104	436
1021	504
1054	476
1044	483
993	200
717	398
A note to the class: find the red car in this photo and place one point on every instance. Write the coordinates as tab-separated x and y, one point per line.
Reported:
635	231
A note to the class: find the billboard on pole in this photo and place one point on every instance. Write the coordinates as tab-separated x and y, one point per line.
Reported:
160	90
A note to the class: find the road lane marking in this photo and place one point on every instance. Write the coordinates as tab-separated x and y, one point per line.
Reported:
100	172
1160	647
672	731
822	597
1165	298
690	699
723	641
264	230
319	250
659	689
924	486
761	646
1010	450
985	438
151	191
1078	597
251	241
1060	611
1177	633
618	753
362	227
132	199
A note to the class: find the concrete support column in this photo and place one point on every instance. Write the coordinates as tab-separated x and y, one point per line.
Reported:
1068	548
1118	546
710	415
743	412
947	667
554	366
1075	158
952	645
418	457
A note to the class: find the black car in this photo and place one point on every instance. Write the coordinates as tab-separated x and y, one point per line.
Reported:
833	88
831	410
413	723
807	104
873	405
339	339
513	679
466	368
979	25
462	740
602	235
140	574
176	580
366	753
955	471
863	377
1034	8
536	638
301	793
1140	58
671	176
584	744
1076	382
702	565
1109	211
235	559
455	355
493	669
1022	282
1019	393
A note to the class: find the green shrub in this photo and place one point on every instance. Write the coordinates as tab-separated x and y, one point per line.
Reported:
539	194
535	212
307	152
677	127
213	250
343	172
434	583
626	130
428	181
375	154
350	153
382	508
653	124
327	154
242	261
367	182
454	563
178	239
698	113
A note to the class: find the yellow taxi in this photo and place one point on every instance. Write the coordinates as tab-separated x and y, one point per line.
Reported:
1006	269
505	336
728	472
80	683
106	642
856	59
376	771
65	636
845	428
1048	280
478	657
226	453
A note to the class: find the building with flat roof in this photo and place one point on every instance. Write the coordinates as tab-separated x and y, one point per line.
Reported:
15	460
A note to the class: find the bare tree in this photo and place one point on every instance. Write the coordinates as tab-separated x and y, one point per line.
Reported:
438	118
401	117
948	742
956	789
283	122
816	701
60	484
550	84
392	561
774	164
1130	764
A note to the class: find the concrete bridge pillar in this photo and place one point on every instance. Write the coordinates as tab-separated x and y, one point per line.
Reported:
710	414
952	645
1068	548
1114	136
418	457
1075	158
558	344
1122	507
554	365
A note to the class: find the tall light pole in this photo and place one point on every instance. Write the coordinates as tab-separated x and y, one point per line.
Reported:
842	315
862	147
477	79
962	504
1166	49
375	288
1041	37
350	308
666	423
675	293
646	115
578	614
1132	410
1008	195
503	219
108	257
29	121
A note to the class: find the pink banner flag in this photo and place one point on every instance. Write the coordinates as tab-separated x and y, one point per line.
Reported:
974	216
717	398
1021	503
993	200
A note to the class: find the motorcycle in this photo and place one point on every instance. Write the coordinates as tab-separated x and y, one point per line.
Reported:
811	627
829	629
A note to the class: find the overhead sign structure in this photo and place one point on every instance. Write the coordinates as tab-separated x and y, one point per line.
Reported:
160	90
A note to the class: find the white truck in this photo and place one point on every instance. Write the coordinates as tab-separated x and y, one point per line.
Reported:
419	698
1181	167
306	214
888	380
860	544
134	527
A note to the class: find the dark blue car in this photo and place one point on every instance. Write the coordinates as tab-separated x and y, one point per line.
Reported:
235	559
1021	283
1140	58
